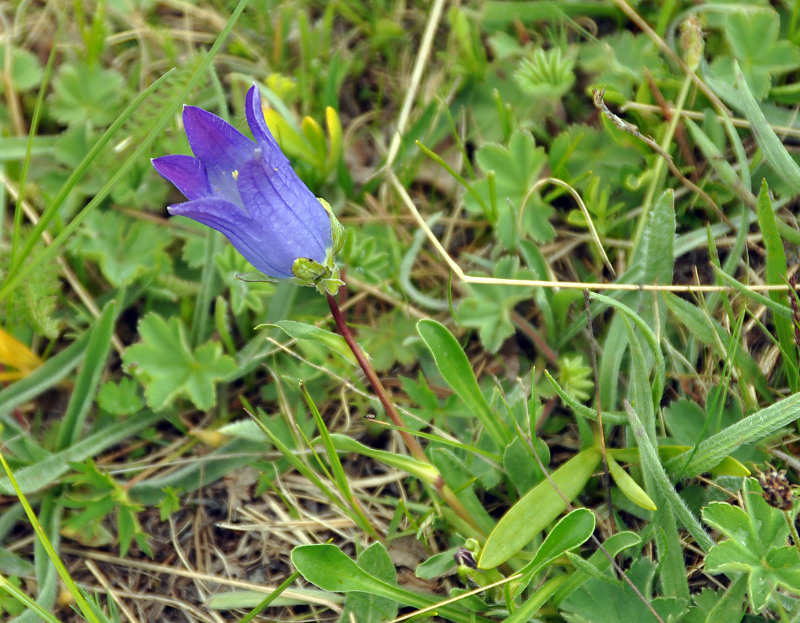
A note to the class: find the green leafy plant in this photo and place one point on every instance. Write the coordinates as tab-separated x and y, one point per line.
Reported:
167	367
753	37
504	197
756	545
99	495
490	307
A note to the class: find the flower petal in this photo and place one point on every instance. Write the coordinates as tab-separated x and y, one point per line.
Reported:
219	146
231	220
258	125
286	210
187	174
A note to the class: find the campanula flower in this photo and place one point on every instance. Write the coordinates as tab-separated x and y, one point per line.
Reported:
248	191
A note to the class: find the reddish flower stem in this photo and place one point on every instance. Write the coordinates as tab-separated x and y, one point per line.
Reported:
413	446
380	391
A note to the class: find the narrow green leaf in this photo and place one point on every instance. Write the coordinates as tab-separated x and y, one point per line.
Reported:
303	331
200	313
775	154
776	272
538	508
339	475
776	308
458	477
749	430
82	398
591	570
628	486
19	270
535	602
724	170
670	554
609	417
654	256
668	546
306	471
711	333
424	471
47	375
280	596
675	503
47	542
22	597
44	473
659	375
615	544
456	370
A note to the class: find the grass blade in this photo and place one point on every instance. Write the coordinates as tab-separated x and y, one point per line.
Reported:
777	272
88	379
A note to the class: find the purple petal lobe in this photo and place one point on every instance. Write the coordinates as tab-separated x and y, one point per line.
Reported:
287	213
219	146
243	232
258	126
187	174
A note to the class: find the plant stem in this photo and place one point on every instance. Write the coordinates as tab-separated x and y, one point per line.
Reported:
795	536
380	391
411	443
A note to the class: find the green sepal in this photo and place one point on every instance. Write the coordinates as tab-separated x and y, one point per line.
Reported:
308	272
337	229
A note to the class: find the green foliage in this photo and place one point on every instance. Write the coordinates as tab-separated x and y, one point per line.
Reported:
604	599
514	168
26	69
548	73
87	94
120	398
34	303
490	307
617	62
753	37
756	544
124	250
167	367
386	341
575	376
367	608
495	383
100	495
537	509
9	604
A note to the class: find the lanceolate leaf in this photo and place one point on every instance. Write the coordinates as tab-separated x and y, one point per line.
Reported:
776	275
457	371
538	508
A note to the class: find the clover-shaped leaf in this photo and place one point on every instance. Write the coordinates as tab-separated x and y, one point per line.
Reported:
124	248
619	61
120	398
168	368
87	93
516	168
753	39
756	545
26	69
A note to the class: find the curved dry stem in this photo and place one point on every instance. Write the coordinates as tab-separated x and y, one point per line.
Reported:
579	200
